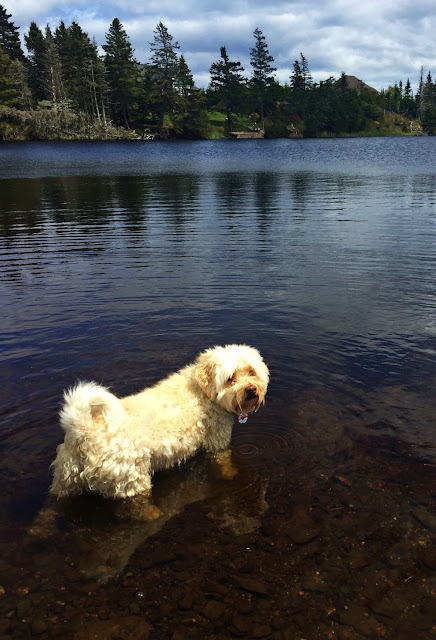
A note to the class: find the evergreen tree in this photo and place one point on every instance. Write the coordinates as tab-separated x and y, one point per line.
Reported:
262	77
165	68
9	37
183	79
301	83
393	97
420	97
342	83
99	87
54	85
79	59
189	119
8	91
80	54
308	81
122	72
35	43
407	101
326	107
429	99
62	40
24	94
226	85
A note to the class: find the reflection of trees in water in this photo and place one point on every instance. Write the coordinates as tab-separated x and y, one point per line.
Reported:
300	183
232	191
76	199
266	189
96	200
423	190
131	193
232	210
20	209
177	196
323	192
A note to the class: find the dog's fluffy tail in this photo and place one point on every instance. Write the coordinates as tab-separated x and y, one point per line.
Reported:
89	406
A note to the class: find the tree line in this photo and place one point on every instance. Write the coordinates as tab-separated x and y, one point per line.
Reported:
63	82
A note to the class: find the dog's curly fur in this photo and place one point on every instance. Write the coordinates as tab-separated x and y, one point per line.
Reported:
113	446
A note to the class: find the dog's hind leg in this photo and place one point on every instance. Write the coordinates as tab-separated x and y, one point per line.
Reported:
130	477
67	477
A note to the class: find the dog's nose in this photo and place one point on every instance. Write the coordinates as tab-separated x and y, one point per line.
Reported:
251	391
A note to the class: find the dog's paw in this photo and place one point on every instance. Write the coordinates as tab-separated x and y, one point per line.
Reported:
228	471
224	461
44	526
151	512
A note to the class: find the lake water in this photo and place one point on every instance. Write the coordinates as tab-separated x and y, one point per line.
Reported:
119	262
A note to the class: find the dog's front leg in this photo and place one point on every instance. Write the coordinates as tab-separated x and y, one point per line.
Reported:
224	461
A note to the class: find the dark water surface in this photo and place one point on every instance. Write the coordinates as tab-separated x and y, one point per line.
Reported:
119	263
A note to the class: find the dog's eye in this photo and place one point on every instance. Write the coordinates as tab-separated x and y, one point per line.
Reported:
231	379
252	372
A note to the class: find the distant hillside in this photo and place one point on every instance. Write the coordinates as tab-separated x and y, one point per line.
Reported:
359	85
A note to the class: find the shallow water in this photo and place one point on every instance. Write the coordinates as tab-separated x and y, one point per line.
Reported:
119	263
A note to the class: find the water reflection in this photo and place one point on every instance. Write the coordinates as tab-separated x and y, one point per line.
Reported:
109	532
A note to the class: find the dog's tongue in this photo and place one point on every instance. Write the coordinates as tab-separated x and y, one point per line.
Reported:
243	417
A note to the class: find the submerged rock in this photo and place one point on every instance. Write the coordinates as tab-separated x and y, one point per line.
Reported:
253	585
302	528
213	609
426	518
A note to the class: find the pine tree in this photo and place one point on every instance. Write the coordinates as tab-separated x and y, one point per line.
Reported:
190	118
408	102
308	81
77	56
24	94
429	100
80	53
8	91
342	83
122	73
54	85
165	67
420	98
183	79
62	40
35	43
9	37
262	77
99	87
301	82
226	84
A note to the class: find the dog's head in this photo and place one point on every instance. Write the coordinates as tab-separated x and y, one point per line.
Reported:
234	376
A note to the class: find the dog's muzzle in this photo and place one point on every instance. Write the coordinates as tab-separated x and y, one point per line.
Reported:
251	392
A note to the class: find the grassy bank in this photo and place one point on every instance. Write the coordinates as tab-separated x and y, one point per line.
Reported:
389	124
44	124
52	124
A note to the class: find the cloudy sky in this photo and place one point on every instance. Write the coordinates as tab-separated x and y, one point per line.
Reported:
379	41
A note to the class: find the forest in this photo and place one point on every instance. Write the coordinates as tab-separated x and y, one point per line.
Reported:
65	88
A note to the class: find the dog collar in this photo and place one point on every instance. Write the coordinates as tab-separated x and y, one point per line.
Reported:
243	417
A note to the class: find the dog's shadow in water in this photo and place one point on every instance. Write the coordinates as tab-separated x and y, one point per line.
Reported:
109	531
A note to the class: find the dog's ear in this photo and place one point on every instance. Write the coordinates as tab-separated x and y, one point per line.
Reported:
204	375
265	372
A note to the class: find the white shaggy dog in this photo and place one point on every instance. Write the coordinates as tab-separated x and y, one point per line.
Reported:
113	446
